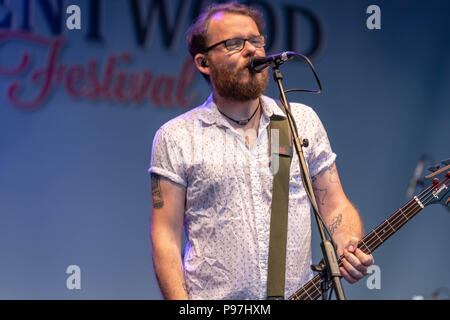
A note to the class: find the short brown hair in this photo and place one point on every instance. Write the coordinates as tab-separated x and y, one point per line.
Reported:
197	32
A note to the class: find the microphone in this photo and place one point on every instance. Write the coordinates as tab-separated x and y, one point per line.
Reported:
259	64
415	180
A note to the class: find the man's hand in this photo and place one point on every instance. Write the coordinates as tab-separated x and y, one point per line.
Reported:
355	261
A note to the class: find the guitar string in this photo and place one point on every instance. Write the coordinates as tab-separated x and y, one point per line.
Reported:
407	210
397	221
425	199
313	283
395	224
411	207
374	234
435	187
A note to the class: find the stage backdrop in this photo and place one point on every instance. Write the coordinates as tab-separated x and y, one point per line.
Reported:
79	109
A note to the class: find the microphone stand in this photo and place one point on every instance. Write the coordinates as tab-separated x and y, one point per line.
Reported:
329	267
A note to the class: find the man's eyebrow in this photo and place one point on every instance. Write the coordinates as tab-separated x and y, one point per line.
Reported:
244	37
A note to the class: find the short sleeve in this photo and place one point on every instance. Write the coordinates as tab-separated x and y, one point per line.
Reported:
167	158
321	156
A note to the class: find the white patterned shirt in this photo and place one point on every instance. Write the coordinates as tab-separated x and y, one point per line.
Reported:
229	195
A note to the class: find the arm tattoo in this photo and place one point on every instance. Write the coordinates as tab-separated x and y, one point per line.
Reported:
321	194
332	177
335	224
158	202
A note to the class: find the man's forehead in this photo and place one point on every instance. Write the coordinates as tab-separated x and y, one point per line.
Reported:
218	16
222	21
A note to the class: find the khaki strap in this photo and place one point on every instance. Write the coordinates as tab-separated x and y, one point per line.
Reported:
280	203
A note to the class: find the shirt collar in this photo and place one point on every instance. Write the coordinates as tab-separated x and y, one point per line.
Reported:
210	114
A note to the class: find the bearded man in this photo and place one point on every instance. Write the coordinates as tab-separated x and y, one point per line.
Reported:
210	174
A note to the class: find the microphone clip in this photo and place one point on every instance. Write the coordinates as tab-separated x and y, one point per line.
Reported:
259	64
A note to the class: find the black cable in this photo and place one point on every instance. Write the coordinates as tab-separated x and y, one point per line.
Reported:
295	126
331	292
314	72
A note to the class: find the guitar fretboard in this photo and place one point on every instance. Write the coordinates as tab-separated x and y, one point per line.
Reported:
312	291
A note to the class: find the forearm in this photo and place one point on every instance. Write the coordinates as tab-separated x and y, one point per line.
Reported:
344	223
338	213
347	230
169	272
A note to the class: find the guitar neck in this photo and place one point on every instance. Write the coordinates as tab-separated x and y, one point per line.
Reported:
312	289
391	225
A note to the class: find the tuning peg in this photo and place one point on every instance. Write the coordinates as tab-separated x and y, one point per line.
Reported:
446	162
434	168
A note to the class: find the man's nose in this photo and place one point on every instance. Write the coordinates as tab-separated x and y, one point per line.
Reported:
249	49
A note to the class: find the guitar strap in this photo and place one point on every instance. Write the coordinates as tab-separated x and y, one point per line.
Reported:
280	202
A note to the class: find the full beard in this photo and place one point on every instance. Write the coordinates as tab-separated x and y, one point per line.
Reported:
229	84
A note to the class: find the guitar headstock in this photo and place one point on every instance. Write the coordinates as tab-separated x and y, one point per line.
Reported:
438	190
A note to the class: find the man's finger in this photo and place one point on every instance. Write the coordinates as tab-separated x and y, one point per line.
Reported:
351	270
347	276
366	259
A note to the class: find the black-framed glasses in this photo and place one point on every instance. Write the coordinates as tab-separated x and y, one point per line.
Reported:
237	44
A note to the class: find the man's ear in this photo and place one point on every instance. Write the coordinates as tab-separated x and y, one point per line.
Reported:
201	63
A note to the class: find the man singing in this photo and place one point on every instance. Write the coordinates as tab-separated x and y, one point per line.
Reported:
210	174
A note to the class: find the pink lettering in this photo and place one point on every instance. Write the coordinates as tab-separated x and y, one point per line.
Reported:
46	73
110	83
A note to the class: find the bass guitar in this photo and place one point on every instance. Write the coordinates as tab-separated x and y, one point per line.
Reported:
437	192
